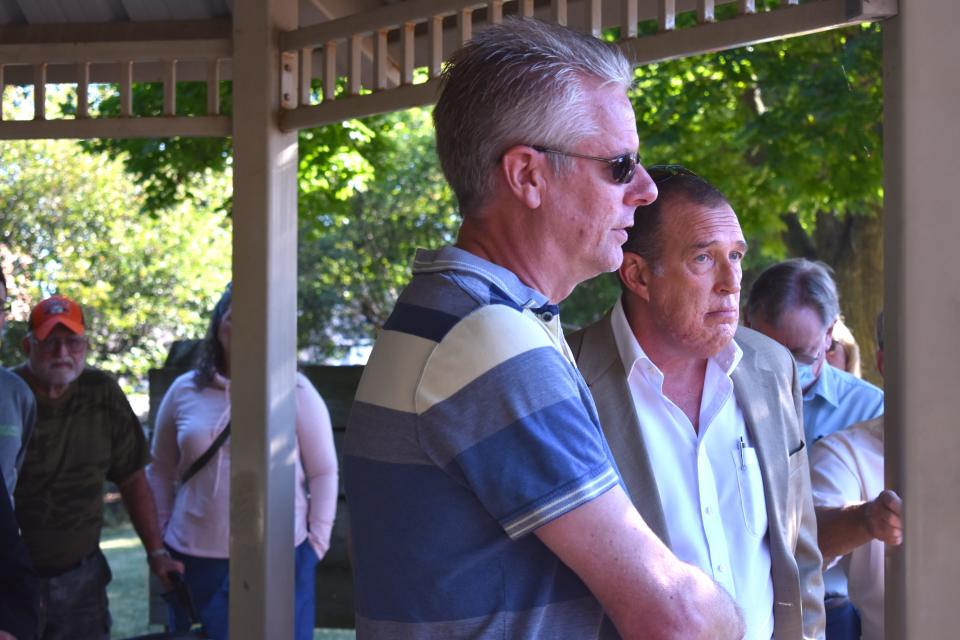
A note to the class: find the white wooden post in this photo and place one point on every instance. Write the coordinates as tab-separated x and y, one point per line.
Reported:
264	329
922	309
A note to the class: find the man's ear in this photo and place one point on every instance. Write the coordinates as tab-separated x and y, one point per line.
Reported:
828	339
635	274
524	172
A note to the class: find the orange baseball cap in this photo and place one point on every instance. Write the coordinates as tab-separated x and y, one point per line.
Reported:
53	311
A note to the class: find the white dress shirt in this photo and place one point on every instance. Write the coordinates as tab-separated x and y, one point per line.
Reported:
846	469
709	483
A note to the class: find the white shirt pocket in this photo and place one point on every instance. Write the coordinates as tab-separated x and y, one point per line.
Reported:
750	485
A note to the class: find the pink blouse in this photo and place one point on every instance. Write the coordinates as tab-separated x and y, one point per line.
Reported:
195	517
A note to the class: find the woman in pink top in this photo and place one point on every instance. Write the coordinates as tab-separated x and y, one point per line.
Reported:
195	515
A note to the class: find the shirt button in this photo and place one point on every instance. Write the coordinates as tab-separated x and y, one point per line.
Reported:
547	316
720	568
707	510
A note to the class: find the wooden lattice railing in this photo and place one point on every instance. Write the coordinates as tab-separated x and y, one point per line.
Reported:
372	62
384	47
117	55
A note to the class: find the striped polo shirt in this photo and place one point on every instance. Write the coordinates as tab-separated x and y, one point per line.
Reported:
471	428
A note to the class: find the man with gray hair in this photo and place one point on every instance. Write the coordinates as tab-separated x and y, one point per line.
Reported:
484	500
795	302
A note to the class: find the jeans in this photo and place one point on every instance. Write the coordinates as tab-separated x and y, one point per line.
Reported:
208	580
843	621
305	610
73	605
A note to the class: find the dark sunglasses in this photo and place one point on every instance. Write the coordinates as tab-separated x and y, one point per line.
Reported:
624	167
663	172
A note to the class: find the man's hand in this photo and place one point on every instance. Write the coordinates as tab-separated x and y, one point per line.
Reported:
840	530
161	564
882	517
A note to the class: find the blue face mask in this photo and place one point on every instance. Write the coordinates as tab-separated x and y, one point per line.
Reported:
805	375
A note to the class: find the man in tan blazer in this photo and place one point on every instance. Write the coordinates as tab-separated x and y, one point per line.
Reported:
703	417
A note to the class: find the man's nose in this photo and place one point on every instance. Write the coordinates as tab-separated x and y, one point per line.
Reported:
730	277
60	348
642	190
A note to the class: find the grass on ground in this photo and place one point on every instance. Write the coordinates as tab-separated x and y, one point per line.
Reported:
129	599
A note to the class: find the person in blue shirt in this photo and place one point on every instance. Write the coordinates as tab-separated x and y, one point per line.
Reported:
795	302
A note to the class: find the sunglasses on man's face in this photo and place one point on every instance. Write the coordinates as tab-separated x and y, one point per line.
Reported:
624	167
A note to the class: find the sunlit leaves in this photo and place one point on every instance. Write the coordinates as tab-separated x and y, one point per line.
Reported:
72	225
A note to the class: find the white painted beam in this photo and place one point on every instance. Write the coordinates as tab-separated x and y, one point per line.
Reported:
106	72
921	88
785	22
146	51
213	88
388	17
39	91
264	330
83	90
170	88
129	32
628	18
88	128
330	111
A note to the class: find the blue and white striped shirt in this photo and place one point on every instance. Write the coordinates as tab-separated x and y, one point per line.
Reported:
471	428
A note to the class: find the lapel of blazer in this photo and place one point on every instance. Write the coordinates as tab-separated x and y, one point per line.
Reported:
759	400
755	397
602	369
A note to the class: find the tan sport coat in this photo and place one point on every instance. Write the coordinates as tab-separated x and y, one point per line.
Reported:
769	395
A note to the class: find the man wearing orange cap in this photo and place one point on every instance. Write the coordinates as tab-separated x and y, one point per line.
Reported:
85	433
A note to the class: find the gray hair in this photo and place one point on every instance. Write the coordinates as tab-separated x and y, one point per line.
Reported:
519	82
792	284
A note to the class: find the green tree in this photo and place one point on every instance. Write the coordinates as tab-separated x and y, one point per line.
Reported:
72	225
370	192
789	130
365	206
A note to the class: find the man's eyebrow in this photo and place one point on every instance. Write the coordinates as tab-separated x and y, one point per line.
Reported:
706	244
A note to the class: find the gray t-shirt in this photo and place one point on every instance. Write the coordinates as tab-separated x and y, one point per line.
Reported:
18	413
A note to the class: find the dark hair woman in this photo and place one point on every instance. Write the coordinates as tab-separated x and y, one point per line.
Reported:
194	512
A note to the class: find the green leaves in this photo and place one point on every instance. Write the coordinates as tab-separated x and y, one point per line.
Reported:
787	130
72	225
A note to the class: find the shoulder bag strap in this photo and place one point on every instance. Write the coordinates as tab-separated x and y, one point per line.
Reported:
200	462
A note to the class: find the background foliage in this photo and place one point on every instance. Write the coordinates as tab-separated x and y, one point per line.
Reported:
73	225
789	130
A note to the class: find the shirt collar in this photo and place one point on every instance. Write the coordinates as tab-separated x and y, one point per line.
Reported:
631	352
825	386
452	258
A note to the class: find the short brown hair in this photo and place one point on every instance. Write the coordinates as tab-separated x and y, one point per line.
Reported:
674	183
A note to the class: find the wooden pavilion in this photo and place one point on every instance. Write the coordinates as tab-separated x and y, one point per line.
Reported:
272	50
